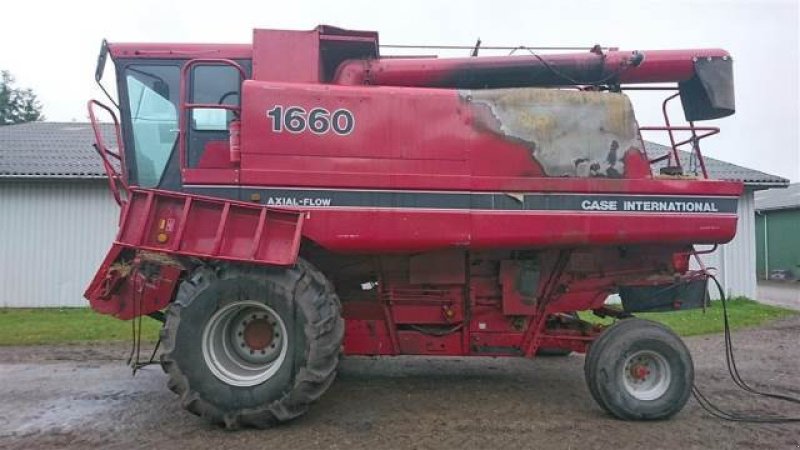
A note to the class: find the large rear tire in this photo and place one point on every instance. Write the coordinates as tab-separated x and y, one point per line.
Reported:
639	370
252	346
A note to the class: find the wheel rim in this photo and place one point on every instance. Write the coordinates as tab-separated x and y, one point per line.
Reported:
646	375
244	343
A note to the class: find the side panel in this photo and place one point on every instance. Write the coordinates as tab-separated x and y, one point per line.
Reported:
352	128
362	221
205	227
433	138
285	55
385	169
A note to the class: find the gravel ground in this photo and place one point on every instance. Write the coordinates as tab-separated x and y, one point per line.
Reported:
780	293
83	396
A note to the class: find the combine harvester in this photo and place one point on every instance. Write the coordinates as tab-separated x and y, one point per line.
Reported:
302	197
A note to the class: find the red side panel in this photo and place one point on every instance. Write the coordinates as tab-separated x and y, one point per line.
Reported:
424	169
597	228
198	226
139	274
393	130
284	55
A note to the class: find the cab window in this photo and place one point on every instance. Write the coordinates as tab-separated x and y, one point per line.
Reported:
211	84
152	92
216	85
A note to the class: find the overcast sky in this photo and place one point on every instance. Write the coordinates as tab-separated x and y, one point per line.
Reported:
52	46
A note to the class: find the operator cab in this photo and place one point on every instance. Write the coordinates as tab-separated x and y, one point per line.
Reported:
150	96
156	82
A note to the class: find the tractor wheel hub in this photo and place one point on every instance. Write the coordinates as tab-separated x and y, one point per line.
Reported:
258	334
245	343
646	375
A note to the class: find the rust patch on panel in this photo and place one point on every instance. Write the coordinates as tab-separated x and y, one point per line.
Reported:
568	132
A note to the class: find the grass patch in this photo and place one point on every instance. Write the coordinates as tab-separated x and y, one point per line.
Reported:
742	313
34	326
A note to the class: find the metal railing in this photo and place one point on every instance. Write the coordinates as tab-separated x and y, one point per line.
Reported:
116	178
696	134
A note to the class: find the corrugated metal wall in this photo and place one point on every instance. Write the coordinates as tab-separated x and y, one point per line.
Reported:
53	236
736	260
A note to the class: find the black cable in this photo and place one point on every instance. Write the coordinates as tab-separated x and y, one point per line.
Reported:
151	360
139	334
490	47
719	413
155	350
111	99
544	62
134	351
730	360
564	76
133	340
734	371
137	338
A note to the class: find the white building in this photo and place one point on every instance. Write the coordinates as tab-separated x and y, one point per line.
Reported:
735	261
58	219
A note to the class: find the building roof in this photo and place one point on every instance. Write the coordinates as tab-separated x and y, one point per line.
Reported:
50	150
64	150
774	199
719	170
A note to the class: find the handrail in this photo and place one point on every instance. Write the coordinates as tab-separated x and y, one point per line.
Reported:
694	139
185	106
709	131
116	178
696	146
669	125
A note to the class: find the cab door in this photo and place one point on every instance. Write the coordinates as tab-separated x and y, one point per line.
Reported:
207	159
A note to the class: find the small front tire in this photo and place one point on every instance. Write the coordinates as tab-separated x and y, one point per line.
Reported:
639	370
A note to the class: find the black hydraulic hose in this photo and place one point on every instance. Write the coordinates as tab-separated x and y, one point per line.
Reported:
734	371
730	360
134	358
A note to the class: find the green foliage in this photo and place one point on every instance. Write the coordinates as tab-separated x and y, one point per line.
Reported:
742	313
17	105
29	326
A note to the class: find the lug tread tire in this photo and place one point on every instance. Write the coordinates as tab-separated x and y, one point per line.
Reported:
313	297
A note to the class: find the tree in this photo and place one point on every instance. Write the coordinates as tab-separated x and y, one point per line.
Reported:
17	105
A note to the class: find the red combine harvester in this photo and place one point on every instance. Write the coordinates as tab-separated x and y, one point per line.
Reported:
300	197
